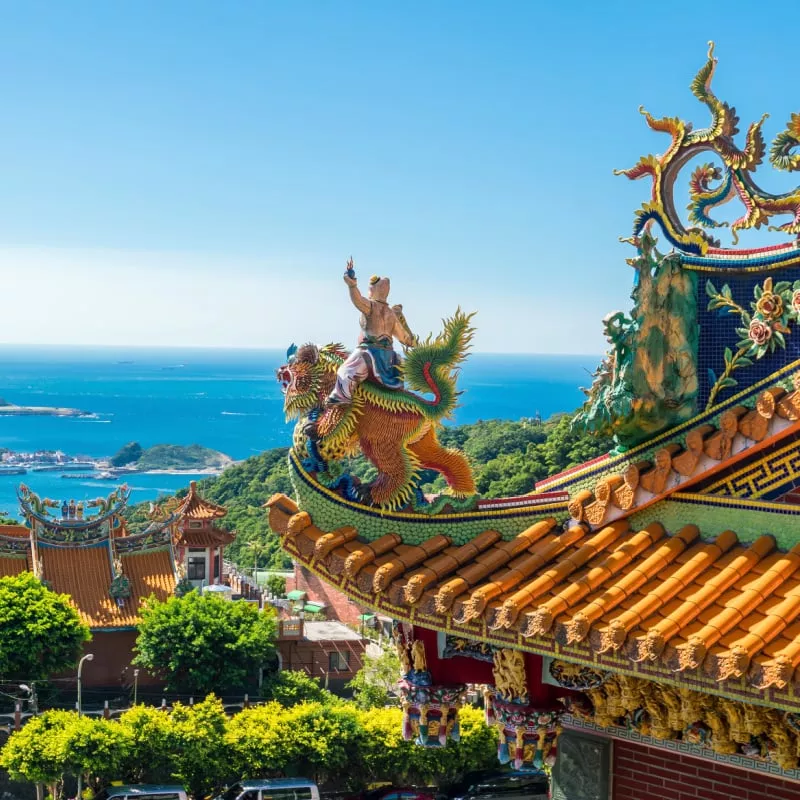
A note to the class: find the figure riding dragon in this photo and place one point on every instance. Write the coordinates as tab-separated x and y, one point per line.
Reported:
368	402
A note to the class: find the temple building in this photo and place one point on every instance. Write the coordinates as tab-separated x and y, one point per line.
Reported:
635	620
85	551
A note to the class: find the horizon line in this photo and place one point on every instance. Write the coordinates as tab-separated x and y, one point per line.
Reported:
253	348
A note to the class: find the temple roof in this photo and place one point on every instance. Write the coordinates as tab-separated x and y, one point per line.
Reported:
633	599
84	573
196	507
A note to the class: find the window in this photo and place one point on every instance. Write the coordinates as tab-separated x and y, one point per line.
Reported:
196	568
339	662
233	793
216	565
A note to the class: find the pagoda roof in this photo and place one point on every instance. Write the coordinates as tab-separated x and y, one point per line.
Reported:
196	507
721	615
208	537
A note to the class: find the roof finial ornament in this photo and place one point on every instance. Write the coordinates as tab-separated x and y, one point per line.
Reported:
710	186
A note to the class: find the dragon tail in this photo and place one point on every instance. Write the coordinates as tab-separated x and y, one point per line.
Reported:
430	366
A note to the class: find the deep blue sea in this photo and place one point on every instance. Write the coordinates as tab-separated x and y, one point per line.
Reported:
224	399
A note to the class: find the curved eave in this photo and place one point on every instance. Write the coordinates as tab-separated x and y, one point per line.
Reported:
434	585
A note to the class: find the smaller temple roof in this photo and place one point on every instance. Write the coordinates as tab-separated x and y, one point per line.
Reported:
196	507
209	537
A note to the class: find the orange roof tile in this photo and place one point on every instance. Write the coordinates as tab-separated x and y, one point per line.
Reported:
705	451
213	537
195	507
84	573
640	595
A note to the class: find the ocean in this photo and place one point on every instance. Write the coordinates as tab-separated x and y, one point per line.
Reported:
224	399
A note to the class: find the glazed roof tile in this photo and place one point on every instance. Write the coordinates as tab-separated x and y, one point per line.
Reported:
208	537
623	484
84	573
194	506
727	609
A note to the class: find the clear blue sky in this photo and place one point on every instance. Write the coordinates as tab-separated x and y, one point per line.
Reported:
198	172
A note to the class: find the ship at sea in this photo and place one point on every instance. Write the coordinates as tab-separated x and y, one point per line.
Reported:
13	471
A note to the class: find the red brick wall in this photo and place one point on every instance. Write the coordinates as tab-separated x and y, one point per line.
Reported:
338	606
642	773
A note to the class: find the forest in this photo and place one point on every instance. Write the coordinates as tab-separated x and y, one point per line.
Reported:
507	457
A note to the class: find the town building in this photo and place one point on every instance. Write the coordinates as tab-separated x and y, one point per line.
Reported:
85	551
636	619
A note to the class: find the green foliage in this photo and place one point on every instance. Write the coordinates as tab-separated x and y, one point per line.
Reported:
199	760
127	454
174	456
290	687
375	683
276	585
331	741
40	632
199	643
151	745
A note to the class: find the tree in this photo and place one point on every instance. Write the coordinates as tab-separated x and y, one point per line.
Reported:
201	643
152	745
58	743
276	585
290	687
200	760
375	683
127	454
40	632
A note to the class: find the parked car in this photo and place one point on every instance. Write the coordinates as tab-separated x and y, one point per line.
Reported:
278	789
395	793
142	791
508	785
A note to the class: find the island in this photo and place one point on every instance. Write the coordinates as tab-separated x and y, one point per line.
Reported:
192	458
11	410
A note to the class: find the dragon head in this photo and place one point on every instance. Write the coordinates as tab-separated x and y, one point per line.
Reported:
307	377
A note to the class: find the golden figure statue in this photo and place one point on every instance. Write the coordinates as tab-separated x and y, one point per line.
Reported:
418	656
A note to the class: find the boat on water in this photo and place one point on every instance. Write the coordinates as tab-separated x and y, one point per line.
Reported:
70	466
13	471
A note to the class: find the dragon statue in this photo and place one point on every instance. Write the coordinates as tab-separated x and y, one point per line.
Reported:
648	380
393	426
735	180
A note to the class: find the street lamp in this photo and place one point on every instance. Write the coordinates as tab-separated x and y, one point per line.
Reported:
135	685
87	657
33	703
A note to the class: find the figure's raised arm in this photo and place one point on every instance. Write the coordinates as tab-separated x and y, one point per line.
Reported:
358	300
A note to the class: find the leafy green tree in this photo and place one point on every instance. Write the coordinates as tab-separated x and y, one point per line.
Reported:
152	745
290	687
200	760
276	584
201	643
127	454
59	743
40	632
385	755
375	683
